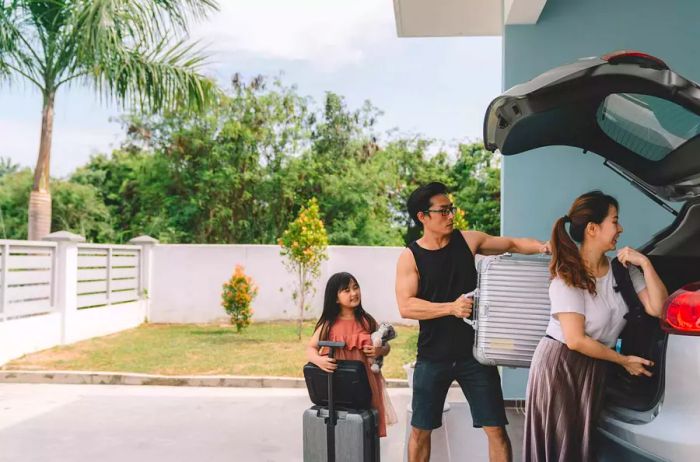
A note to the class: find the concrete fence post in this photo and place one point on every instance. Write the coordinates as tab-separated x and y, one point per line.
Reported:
66	278
4	261
147	244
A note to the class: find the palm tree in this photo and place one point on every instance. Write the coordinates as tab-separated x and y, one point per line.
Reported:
134	52
7	166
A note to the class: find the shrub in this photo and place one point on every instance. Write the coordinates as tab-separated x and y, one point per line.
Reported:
237	296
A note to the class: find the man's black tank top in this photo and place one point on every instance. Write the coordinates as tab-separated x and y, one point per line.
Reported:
445	274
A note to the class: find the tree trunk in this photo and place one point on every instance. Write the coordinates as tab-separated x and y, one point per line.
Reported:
40	198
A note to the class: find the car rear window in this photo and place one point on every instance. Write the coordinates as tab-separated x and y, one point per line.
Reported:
646	125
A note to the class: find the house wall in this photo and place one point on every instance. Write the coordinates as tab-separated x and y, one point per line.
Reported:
188	279
539	186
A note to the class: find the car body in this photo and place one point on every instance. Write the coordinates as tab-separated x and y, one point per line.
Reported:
643	119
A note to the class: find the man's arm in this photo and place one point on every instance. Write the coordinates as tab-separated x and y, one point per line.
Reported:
412	307
484	244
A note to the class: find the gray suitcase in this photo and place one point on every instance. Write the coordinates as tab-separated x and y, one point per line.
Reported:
511	309
356	438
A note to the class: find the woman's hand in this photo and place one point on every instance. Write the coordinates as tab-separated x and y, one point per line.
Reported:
628	255
327	364
635	365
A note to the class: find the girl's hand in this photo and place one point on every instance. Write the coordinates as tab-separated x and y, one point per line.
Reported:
327	364
635	365
371	351
628	255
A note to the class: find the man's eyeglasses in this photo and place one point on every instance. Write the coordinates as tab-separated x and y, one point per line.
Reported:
444	212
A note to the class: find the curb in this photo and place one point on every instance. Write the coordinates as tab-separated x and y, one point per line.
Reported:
120	378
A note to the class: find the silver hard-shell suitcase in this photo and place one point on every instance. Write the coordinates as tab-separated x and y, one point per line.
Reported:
356	437
511	309
333	434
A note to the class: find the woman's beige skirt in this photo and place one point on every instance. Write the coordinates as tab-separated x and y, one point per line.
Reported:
564	398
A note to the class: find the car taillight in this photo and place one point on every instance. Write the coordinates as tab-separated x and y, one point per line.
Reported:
682	311
634	57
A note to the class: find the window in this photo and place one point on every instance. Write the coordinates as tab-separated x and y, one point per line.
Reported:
646	125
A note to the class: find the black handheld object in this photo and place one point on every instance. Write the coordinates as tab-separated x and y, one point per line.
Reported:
330	424
351	389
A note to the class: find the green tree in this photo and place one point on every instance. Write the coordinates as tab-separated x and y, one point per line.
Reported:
77	208
134	52
14	194
240	172
477	179
409	157
303	249
221	177
346	170
118	180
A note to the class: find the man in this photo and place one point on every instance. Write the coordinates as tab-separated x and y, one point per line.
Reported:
432	276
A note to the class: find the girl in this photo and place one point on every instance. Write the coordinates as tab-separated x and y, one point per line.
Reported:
344	319
566	382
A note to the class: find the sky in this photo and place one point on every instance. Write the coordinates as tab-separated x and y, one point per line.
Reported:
436	87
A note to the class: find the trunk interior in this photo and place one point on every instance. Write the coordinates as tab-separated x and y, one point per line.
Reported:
675	254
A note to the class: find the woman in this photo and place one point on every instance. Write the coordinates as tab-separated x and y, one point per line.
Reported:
565	386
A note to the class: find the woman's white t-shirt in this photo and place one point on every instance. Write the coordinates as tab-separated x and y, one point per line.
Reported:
604	312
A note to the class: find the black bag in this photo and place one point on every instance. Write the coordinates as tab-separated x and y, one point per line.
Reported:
350	385
637	336
643	337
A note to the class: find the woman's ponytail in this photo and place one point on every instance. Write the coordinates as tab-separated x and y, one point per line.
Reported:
567	263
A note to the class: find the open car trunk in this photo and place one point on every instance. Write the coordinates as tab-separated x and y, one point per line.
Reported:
644	120
675	254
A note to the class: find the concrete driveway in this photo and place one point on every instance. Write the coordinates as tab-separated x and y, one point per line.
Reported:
75	423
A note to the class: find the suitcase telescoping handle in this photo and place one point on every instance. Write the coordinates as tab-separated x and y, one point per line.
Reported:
330	424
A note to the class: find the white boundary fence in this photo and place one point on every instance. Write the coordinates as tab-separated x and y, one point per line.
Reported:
62	290
107	274
27	278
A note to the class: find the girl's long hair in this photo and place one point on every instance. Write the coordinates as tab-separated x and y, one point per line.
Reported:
567	263
331	308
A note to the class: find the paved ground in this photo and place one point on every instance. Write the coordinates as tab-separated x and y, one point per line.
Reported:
107	423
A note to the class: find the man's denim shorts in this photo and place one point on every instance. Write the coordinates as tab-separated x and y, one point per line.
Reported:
481	386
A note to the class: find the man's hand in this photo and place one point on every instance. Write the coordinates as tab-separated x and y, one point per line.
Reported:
546	248
462	307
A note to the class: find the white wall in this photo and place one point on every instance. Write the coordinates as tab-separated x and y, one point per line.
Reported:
21	336
187	281
105	320
185	286
62	275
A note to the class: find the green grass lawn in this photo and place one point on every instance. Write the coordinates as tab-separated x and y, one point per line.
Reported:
190	349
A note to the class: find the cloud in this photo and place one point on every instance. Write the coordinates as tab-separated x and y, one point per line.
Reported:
329	34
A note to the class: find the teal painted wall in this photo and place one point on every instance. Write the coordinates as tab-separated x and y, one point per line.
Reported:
539	186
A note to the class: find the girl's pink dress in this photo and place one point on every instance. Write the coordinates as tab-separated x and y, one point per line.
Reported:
355	337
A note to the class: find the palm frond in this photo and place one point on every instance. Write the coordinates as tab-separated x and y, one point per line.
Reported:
19	52
166	77
134	49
